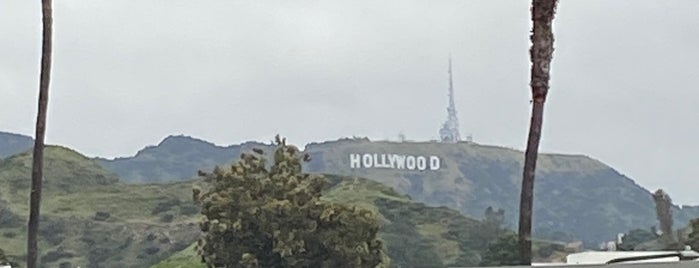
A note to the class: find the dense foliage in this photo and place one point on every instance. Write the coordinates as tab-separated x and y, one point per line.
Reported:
693	240
502	252
3	259
663	208
256	216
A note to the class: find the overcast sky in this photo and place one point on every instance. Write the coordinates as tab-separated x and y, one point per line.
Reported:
128	73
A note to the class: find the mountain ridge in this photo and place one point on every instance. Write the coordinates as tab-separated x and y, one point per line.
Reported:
574	195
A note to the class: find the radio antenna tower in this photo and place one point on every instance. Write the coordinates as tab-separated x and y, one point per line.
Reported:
450	129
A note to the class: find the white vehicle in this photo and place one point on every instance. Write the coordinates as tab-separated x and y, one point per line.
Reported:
609	257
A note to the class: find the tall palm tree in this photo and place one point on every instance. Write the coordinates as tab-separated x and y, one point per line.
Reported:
38	156
541	53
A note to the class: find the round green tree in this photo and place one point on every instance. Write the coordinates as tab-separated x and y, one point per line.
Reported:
255	216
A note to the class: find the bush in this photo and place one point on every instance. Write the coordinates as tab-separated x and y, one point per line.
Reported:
502	252
102	216
9	234
167	218
55	255
189	210
152	250
165	206
52	231
260	217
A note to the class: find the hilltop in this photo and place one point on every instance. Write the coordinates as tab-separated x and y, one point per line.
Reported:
176	158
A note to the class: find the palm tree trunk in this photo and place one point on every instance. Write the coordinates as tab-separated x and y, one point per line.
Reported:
38	156
541	53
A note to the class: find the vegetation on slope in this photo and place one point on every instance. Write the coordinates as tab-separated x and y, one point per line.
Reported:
187	258
88	217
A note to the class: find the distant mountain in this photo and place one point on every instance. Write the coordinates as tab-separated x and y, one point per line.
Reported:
11	144
576	196
175	158
64	171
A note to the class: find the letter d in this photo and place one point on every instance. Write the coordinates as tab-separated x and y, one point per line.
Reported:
434	163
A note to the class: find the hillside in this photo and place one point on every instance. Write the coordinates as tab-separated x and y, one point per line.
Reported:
11	144
577	197
90	218
416	235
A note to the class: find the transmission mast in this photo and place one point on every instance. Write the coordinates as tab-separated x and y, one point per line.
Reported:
450	129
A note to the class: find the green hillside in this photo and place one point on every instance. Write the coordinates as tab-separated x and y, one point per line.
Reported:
416	235
90	218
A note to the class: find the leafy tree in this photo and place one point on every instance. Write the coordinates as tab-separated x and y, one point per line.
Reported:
502	251
3	258
541	53
256	216
663	209
693	240
38	154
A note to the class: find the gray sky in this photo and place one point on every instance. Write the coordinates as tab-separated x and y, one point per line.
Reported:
128	73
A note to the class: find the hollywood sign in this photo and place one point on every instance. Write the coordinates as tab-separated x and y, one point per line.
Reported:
394	161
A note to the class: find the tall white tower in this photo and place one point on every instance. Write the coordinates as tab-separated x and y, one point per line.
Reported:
450	129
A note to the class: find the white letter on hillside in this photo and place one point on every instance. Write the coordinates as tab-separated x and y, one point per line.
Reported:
397	161
421	163
434	163
383	163
410	162
355	161
367	161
